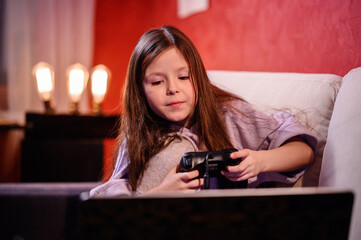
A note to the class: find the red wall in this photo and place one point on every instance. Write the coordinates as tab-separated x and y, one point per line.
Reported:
259	35
312	36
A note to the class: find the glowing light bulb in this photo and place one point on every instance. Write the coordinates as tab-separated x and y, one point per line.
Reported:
76	84
43	77
100	78
99	85
77	81
44	80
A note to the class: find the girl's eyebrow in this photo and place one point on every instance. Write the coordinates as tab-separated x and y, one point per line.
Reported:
154	74
162	74
183	68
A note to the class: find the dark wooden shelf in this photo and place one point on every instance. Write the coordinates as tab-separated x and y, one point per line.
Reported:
65	148
70	126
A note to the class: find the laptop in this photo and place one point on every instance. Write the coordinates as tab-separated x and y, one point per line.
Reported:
296	213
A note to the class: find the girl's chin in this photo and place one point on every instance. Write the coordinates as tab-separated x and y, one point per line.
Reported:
178	121
184	123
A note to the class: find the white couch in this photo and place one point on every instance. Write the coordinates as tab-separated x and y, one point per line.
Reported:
329	104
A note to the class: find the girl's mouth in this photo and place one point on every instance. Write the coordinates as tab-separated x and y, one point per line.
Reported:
175	104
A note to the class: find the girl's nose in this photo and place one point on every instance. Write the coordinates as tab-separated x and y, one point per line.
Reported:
172	87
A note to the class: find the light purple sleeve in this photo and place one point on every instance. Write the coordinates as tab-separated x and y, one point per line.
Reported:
258	131
118	183
121	165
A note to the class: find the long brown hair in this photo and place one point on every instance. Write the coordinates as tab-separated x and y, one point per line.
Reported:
145	132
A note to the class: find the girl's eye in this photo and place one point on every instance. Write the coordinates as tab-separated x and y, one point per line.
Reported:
184	78
156	83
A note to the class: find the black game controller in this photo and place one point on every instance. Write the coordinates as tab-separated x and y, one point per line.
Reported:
209	164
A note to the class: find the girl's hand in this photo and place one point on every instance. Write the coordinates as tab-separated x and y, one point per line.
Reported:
292	155
180	181
249	167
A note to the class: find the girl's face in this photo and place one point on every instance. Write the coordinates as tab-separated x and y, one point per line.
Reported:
168	87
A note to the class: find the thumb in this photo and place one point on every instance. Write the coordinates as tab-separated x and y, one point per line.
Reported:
172	171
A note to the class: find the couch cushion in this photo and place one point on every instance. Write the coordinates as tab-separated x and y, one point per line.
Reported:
310	97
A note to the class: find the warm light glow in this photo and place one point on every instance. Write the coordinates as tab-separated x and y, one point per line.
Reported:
77	80
44	80
99	83
76	84
43	77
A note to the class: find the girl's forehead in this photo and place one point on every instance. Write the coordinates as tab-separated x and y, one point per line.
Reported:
171	52
170	58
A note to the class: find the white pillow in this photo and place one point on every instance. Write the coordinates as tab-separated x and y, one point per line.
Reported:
310	97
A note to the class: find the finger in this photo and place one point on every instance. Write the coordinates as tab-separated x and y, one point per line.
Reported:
193	174
240	177
236	168
243	178
240	154
241	167
185	176
172	171
195	183
234	175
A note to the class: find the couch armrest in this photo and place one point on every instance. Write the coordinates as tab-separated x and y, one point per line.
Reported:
341	164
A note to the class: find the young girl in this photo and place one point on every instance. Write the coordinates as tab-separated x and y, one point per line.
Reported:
170	107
